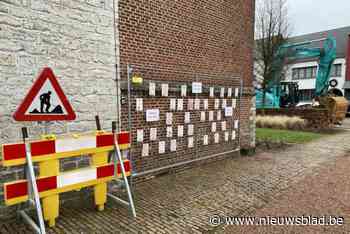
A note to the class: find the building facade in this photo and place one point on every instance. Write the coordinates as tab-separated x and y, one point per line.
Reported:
171	43
304	71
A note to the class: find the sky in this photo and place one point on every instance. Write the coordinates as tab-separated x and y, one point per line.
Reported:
308	16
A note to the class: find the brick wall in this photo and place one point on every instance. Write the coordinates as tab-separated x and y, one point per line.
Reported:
210	42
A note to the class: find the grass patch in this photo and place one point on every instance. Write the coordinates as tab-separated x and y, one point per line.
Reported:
286	136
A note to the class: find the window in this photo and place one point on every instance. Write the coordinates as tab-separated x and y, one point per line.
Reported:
303	73
336	70
306	94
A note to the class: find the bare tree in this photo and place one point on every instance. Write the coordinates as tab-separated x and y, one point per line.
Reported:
272	29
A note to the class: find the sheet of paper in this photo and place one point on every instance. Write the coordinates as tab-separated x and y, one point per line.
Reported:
228	111
161	149
152	89
229	92
223	126
169	118
216	104
190	130
180	104
216	138
197	104
190	104
233	137
205	140
236	92
153	134
222	92
173	145
213	127
172	104
211	115
234	103
183	90
180	131
224	103
187	117
218	115
139	104
165	90
211	91
139	135
196	87
152	115
205	104
145	150
169	132
236	124
226	136
203	116
190	142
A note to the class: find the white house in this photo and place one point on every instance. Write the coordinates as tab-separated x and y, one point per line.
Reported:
304	71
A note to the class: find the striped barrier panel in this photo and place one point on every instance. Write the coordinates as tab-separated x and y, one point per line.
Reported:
50	182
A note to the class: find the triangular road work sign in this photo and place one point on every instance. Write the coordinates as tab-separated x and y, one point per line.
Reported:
45	101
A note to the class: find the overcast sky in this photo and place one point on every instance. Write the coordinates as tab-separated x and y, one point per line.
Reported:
309	16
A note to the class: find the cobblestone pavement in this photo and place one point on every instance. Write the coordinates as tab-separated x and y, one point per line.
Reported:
183	202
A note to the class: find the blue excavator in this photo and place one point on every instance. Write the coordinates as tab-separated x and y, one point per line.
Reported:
280	94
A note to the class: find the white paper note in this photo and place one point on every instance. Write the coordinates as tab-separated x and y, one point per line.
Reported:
183	90
152	115
180	131
173	145
229	92
224	103
180	104
223	126
216	104
197	104
228	111
222	92
234	103
236	124
196	87
233	137
161	149
190	104
213	127
205	104
152	89
187	117
203	116
190	142
153	134
216	138
218	115
169	132
236	92
211	92
205	140
139	135
169	118
172	104
190	130
139	104
165	90
211	115
226	136
145	150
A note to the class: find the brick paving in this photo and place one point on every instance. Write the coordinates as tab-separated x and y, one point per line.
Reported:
183	202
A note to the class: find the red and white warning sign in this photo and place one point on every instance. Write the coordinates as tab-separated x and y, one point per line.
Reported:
45	101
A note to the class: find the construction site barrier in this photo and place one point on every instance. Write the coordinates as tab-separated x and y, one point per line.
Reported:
51	182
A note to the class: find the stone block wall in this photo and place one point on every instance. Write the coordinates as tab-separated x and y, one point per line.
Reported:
74	38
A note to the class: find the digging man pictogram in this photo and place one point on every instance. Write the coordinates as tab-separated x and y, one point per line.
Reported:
45	101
